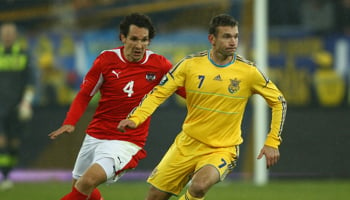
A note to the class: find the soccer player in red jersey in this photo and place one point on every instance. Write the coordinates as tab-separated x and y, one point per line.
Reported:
123	76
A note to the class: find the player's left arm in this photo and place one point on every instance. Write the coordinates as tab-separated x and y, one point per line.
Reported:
276	101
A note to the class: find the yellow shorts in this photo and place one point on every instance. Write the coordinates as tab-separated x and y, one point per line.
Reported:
186	156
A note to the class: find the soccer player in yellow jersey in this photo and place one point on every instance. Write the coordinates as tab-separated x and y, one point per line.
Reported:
218	85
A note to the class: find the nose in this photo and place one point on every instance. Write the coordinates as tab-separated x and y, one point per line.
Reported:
138	44
233	41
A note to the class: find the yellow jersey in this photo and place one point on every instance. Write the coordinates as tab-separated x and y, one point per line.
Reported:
216	97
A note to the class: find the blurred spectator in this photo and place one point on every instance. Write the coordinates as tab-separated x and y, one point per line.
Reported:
54	89
343	16
329	86
56	81
317	16
17	92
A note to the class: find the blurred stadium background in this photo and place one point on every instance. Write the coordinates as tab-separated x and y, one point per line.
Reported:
308	58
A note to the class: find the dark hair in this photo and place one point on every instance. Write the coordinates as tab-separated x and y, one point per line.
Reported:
221	20
139	20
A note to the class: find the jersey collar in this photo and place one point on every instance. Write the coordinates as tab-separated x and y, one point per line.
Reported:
217	65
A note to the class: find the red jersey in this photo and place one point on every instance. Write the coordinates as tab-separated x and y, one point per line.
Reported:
122	85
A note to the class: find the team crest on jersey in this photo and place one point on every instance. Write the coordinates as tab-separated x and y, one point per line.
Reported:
150	76
234	86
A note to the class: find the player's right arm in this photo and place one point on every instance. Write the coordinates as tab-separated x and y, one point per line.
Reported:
63	129
88	89
181	90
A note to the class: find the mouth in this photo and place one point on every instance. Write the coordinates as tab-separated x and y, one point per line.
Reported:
231	49
137	53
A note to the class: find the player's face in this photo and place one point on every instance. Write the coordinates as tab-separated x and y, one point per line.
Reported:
226	40
135	43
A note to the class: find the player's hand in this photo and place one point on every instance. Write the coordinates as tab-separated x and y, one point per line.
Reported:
63	129
126	123
271	154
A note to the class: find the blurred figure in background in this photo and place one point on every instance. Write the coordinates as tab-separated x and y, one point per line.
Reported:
330	87
17	94
54	89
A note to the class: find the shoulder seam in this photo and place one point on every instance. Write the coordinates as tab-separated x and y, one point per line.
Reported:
242	59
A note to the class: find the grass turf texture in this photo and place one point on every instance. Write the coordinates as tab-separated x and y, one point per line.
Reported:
228	190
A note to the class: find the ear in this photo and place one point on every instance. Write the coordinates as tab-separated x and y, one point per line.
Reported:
122	38
211	38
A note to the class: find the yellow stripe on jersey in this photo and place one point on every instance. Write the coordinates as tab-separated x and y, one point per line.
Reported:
215	94
208	109
216	99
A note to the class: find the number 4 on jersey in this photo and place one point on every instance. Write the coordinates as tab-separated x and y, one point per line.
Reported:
129	88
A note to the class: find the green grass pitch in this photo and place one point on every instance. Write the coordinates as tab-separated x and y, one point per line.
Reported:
227	190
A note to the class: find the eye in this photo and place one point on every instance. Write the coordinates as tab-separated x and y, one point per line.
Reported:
226	36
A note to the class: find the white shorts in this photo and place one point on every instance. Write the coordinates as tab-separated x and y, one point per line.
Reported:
93	150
